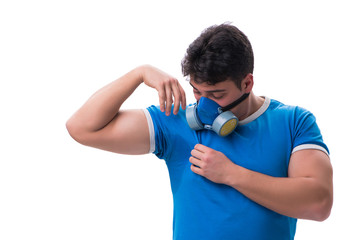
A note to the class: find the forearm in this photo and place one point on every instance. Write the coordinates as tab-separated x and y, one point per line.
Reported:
103	106
298	197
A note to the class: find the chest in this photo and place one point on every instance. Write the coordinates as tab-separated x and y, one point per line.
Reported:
256	147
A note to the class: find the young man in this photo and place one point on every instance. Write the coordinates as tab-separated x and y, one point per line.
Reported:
251	183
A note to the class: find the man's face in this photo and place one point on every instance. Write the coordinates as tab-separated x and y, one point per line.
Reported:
223	93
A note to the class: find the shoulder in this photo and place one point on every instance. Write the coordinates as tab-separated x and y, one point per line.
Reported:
296	117
304	129
276	112
292	112
280	106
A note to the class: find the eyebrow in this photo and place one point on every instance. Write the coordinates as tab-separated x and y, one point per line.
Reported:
211	91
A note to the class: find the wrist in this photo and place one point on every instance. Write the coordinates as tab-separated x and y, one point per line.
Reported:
234	176
138	74
142	71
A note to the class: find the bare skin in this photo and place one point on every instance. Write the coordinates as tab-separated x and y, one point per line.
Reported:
99	123
307	192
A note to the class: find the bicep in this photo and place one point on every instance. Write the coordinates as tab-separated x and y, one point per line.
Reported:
127	133
313	169
311	163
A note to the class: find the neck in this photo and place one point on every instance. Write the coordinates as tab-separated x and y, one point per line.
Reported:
248	106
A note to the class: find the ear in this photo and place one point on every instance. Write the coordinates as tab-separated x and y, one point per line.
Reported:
247	83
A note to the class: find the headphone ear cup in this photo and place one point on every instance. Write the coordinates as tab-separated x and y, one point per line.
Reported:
225	123
192	118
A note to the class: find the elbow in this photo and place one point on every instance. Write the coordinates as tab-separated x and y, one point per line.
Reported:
323	205
320	214
71	129
319	204
75	131
321	210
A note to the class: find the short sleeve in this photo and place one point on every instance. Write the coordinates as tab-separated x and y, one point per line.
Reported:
307	134
158	125
151	130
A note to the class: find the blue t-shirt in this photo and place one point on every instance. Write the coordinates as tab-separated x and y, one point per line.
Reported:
263	142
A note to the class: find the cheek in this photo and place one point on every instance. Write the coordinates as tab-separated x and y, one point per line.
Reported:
197	96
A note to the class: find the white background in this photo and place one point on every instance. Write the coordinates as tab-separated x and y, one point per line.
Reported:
55	54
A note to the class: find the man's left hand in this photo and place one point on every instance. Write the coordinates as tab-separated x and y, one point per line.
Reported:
211	164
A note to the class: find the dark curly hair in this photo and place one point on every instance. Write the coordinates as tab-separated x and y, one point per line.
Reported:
221	52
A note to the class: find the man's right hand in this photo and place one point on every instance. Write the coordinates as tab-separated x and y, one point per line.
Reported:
168	87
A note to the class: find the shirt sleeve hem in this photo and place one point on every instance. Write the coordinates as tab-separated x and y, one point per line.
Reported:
309	146
151	130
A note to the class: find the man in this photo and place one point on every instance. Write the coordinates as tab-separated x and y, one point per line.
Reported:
251	182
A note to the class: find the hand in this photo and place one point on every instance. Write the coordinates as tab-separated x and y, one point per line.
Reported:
211	164
168	87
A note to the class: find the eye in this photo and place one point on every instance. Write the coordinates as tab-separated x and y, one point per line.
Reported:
196	92
218	96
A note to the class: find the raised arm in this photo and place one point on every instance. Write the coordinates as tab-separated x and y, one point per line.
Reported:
101	123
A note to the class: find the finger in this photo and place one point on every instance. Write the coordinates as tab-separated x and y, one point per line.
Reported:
162	96
197	154
183	98
177	96
201	148
196	162
197	170
169	100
